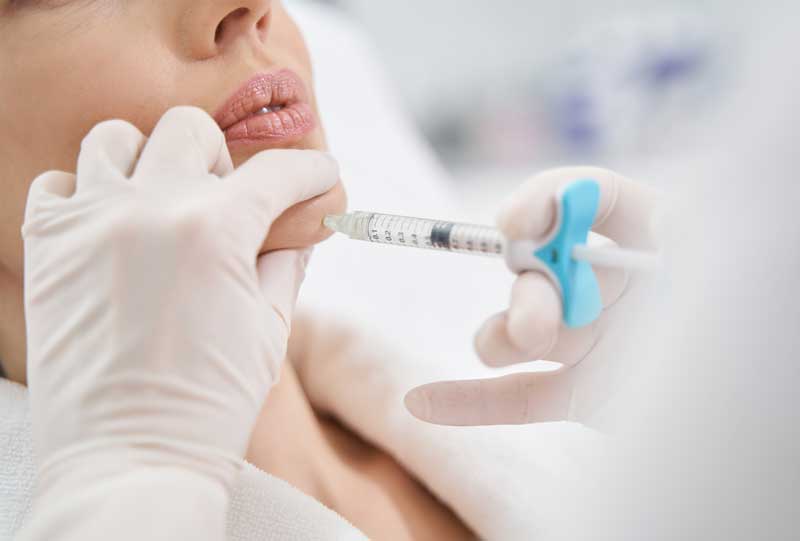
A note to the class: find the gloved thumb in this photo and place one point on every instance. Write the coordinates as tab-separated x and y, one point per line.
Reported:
274	180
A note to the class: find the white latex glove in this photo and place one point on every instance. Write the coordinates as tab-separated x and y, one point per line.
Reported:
155	330
532	328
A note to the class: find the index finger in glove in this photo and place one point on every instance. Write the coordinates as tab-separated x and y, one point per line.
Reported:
274	180
52	184
186	142
624	214
109	151
523	398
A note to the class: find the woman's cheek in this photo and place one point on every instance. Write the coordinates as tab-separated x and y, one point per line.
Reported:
301	225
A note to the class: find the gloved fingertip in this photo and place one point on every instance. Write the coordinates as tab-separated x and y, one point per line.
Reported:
493	346
489	353
510	220
485	340
524	222
504	358
532	331
418	403
55	184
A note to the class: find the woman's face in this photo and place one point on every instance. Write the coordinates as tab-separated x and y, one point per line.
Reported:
66	65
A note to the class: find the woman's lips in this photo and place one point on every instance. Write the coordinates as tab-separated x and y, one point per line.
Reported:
270	108
291	122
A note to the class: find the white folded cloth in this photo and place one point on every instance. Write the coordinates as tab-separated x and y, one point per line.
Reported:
16	458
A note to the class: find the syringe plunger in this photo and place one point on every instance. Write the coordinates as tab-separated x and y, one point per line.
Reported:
464	238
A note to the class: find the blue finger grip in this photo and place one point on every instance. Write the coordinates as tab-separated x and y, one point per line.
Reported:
580	291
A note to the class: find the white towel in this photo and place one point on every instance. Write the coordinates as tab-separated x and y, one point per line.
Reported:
16	458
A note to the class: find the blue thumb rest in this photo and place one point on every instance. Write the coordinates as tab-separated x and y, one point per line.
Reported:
580	291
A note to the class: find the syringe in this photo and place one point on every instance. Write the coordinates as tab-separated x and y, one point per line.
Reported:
466	239
563	255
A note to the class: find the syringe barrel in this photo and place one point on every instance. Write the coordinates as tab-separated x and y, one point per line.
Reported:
423	233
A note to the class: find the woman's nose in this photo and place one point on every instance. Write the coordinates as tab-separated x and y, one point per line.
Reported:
215	26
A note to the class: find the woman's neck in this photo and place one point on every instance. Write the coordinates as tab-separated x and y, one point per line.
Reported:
348	475
12	326
288	441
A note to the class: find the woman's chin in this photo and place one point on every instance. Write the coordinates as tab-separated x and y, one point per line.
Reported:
301	225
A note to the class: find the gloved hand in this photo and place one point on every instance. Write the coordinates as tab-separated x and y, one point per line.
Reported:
532	329
155	330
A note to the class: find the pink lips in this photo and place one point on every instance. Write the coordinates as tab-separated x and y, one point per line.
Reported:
288	116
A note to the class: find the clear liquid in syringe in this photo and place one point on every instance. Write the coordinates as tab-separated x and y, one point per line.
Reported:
422	233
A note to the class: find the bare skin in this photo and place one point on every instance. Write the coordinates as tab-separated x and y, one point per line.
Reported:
66	65
324	459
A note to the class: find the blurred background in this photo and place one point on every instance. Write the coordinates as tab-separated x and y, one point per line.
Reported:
441	108
699	97
616	83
